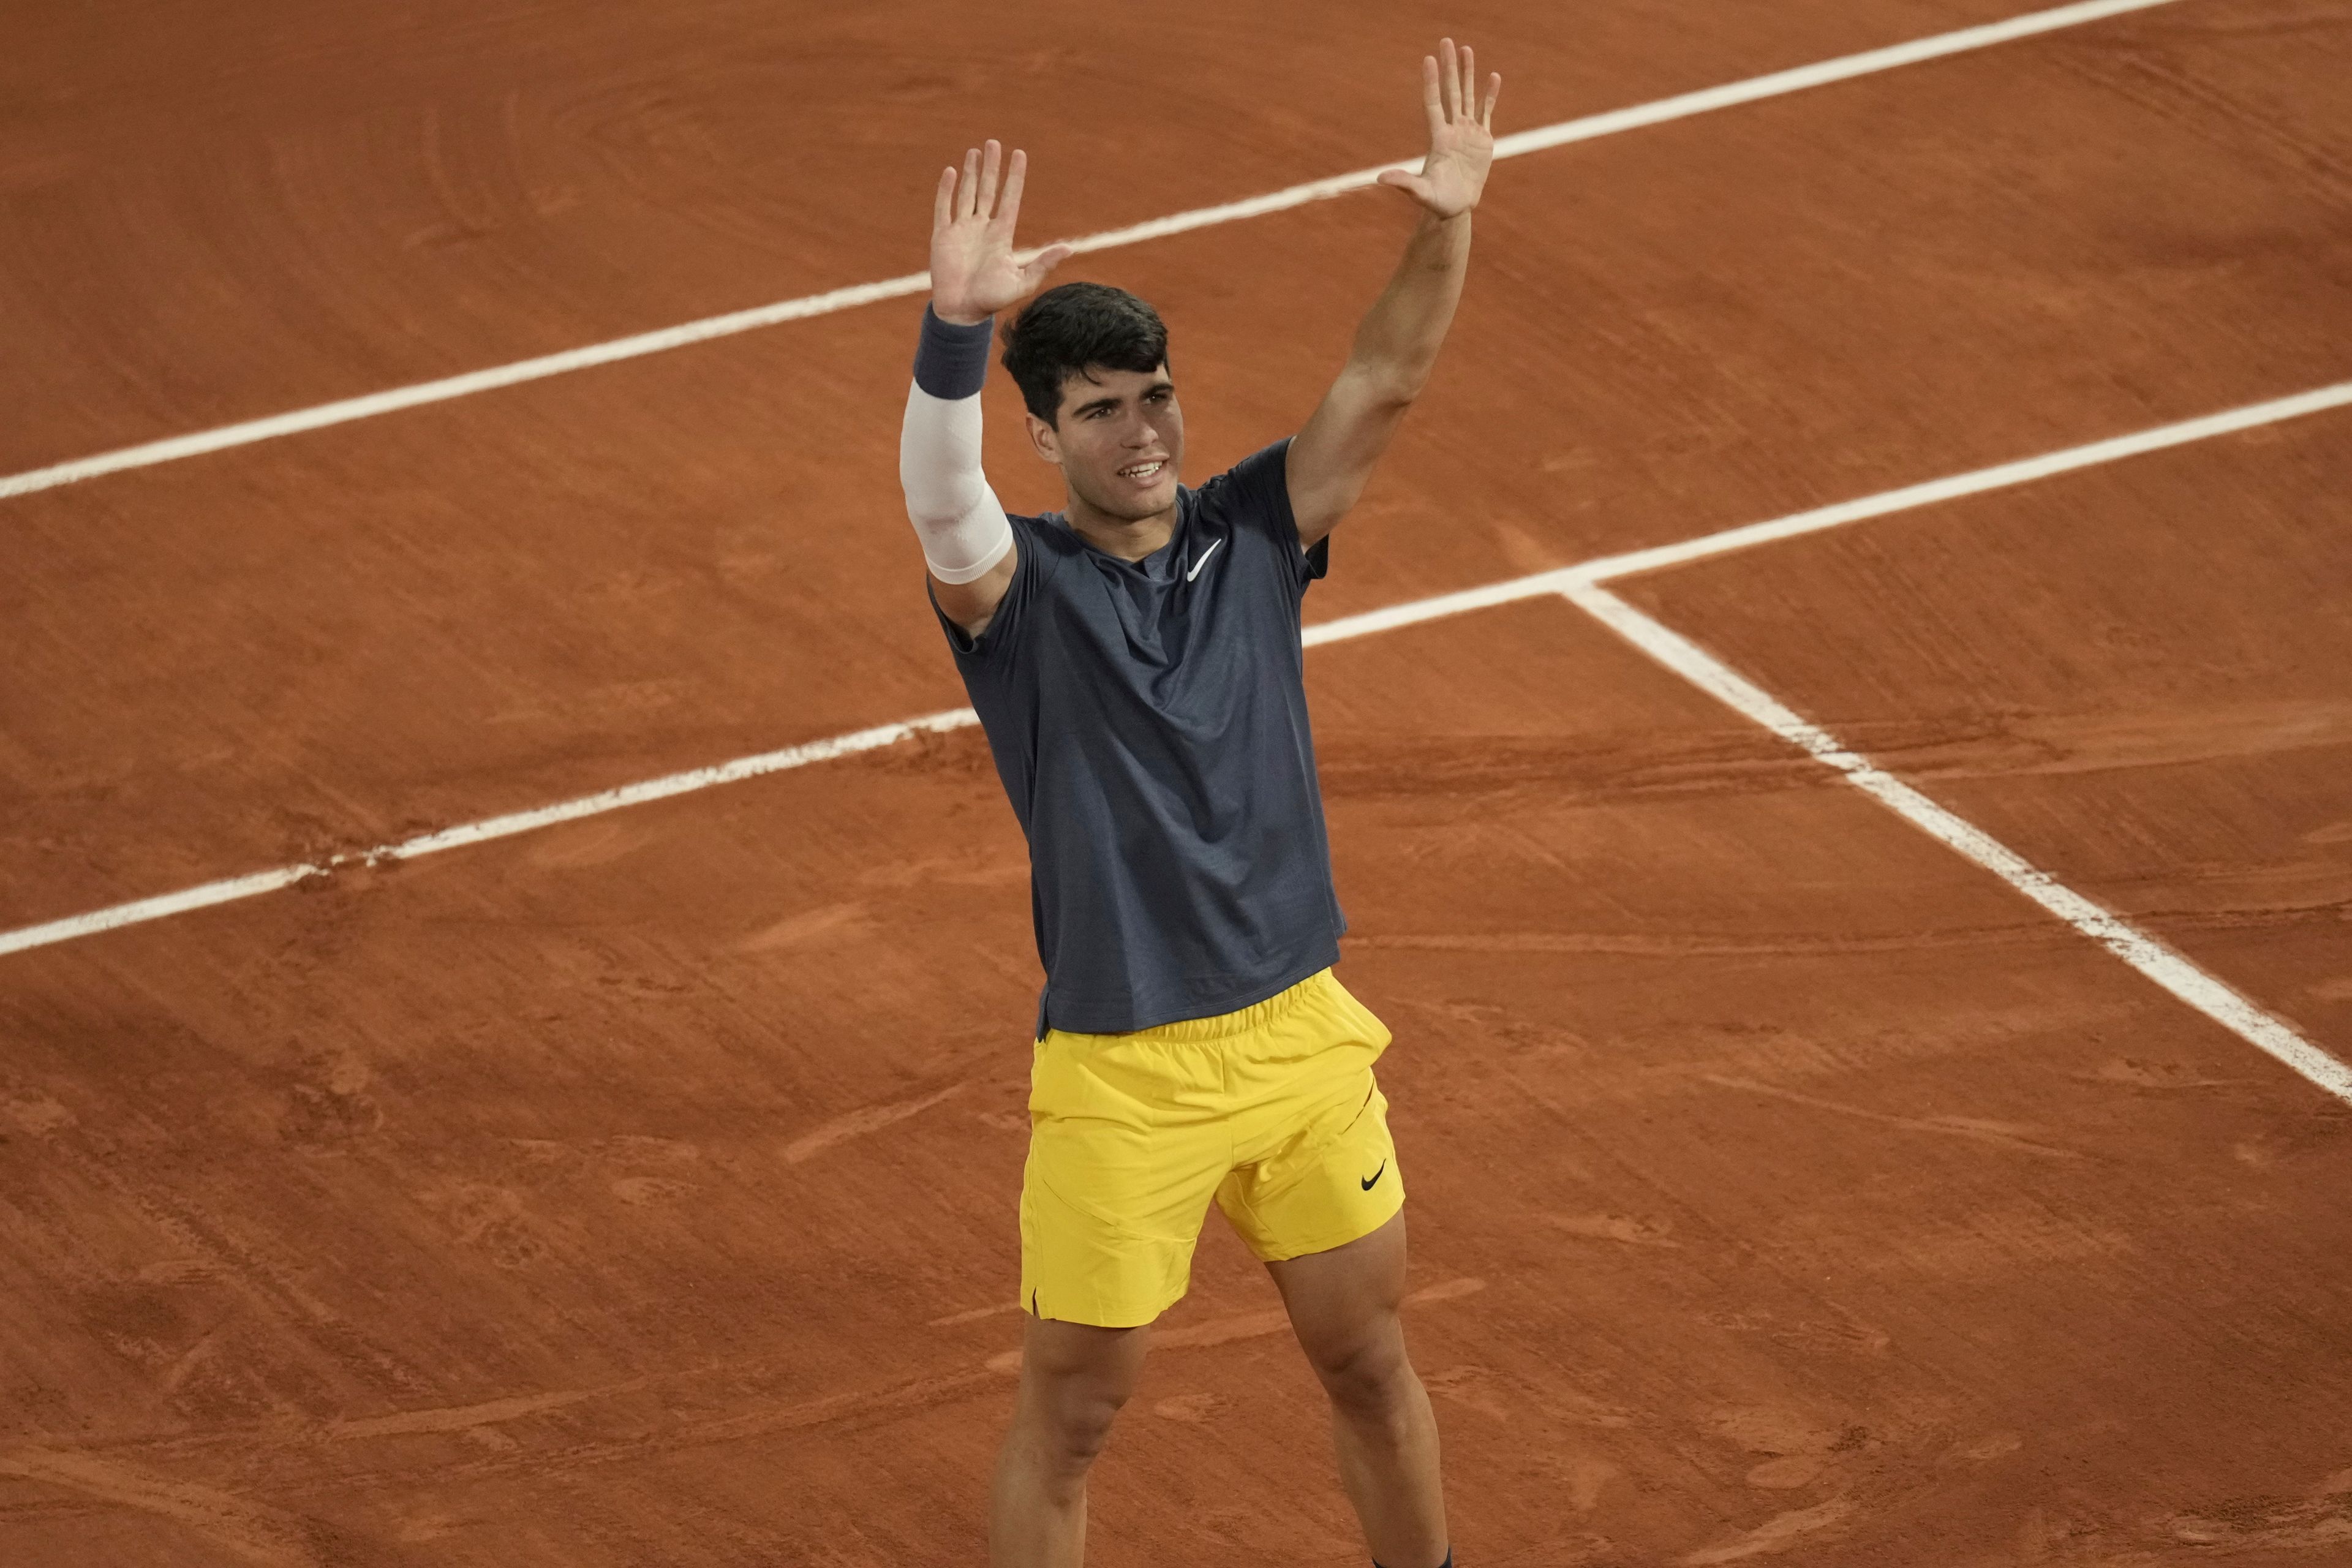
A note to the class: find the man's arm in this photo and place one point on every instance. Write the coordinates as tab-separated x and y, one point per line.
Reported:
967	542
1397	344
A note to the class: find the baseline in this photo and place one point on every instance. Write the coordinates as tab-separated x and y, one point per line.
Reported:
344	411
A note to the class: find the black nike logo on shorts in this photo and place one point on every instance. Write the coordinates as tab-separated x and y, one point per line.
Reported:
1376	1175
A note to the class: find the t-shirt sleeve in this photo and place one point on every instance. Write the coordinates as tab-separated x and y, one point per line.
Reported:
1258	497
1006	627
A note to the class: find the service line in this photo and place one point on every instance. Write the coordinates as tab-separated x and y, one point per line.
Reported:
1518	145
229	890
1581	587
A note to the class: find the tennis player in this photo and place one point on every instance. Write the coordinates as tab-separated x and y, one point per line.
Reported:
1136	662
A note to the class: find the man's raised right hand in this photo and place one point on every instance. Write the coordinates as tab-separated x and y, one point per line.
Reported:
974	272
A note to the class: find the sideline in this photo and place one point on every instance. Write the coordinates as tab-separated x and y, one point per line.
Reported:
2205	993
345	410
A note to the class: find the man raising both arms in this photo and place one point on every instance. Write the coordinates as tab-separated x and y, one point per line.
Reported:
1136	663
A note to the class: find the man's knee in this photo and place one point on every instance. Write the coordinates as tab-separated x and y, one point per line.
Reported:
1074	1384
1076	1424
1367	1371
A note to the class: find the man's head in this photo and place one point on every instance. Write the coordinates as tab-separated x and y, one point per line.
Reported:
1091	361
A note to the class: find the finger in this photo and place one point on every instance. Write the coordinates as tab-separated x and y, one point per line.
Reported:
1017	174
1428	99
1469	83
990	165
1449	77
1493	91
970	190
943	199
1404	180
1045	261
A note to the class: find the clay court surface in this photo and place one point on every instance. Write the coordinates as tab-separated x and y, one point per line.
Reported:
1786	1187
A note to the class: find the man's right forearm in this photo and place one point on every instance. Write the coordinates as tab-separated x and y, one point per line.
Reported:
1396	347
960	522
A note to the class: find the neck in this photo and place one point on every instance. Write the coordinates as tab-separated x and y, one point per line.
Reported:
1129	539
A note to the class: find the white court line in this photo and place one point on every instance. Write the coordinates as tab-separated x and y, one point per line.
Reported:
1968	484
506	826
1415	611
2143	952
345	410
1566	580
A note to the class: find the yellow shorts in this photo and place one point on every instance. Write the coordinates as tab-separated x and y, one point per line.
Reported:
1272	1110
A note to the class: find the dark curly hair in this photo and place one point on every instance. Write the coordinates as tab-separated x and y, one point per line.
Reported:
1075	328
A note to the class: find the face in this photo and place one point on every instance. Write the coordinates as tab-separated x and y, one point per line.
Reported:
1119	441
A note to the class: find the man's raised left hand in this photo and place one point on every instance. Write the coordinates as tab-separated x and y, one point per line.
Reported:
1461	134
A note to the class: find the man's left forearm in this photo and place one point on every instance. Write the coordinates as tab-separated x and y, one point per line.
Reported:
1396	347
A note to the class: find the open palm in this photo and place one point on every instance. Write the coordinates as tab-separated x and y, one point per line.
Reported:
975	272
1461	134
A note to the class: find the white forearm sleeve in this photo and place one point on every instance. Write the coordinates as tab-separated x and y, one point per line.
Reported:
957	516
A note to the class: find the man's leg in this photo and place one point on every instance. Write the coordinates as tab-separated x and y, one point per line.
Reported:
1074	1378
1343	1306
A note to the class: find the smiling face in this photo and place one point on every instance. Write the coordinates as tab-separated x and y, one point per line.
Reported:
1118	440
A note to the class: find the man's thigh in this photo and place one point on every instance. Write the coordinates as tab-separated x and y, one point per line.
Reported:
1125	1153
1343	1303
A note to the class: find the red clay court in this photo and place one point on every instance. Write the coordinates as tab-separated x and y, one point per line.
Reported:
1871	992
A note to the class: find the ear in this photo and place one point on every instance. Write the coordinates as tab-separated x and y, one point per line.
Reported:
1046	439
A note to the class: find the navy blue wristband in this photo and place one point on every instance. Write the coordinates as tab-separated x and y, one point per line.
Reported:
951	361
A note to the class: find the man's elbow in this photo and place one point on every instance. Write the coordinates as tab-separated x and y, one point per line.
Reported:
936	502
1386	385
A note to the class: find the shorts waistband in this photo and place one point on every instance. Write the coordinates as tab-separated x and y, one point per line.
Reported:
1242	1020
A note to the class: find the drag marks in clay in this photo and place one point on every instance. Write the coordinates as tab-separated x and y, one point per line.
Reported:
956	1319
251	1532
327	1104
642	1418
223	1283
1585	1478
468	1419
1796	1450
2268	1524
32	1112
833	922
1571	1408
859	1122
1811	1336
2304	1138
1997	1240
2130	1072
2004	1134
490	1219
1625	1229
1779	1533
1843	1456
652	1192
1470	1388
1450	1290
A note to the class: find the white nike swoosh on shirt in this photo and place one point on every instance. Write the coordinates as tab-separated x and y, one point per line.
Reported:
1204	561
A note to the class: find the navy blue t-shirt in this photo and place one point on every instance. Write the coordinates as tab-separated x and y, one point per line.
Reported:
1149	719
